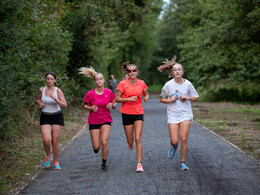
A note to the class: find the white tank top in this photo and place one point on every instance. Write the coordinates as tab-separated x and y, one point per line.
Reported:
50	105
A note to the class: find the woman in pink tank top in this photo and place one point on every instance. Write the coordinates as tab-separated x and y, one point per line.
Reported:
98	102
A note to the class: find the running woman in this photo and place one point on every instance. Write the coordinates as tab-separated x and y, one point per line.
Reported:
129	93
50	100
179	92
99	101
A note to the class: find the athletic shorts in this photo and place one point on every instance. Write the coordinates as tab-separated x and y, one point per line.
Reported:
97	126
52	119
129	119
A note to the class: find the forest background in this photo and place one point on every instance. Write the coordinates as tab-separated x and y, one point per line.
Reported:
217	41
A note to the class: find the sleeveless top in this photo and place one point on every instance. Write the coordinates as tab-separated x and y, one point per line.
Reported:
50	105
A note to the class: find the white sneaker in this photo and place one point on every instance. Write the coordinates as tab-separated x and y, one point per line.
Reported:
139	168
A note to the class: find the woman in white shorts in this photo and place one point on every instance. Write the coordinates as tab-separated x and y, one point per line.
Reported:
177	94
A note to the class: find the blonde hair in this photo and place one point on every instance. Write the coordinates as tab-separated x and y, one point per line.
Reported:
89	72
167	65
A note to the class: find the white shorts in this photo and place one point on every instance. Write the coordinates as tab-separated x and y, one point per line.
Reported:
179	119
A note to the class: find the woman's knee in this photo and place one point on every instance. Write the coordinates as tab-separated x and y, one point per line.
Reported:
47	142
104	143
138	140
96	148
175	143
184	140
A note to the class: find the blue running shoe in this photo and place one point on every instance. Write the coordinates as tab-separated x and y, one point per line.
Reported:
184	167
47	161
57	165
171	152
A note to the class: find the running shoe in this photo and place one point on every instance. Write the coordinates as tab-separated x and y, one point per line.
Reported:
171	152
104	167
184	167
57	165
139	168
47	161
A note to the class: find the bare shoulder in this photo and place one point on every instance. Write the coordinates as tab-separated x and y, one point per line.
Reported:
59	90
41	89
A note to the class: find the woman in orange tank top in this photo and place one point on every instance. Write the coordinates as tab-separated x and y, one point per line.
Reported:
129	93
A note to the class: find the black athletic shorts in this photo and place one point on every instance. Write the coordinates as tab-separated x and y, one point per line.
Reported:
97	126
129	119
52	119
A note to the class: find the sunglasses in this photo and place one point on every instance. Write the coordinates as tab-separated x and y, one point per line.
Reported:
133	70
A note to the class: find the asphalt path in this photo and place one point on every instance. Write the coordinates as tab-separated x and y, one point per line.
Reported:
216	166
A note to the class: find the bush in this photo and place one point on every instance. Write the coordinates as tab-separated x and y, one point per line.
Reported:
247	92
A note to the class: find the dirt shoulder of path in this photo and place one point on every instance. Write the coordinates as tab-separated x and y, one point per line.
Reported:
237	123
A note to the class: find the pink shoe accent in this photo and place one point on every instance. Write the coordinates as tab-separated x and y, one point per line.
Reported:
139	168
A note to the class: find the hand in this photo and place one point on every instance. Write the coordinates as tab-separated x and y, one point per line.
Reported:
109	106
183	98
146	98
132	99
41	105
94	108
53	97
173	98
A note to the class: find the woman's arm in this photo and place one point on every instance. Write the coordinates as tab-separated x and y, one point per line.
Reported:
39	97
119	99
184	97
111	105
146	96
61	101
114	104
167	101
90	108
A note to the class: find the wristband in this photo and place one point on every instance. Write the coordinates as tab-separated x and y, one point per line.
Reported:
83	104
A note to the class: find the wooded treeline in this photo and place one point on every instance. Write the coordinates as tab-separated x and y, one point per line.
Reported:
217	42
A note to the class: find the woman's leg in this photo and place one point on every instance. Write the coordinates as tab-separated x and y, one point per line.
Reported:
95	139
105	133
174	134
184	132
138	127
46	136
129	132
56	129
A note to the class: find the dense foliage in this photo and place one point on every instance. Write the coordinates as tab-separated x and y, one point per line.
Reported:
62	36
31	43
217	41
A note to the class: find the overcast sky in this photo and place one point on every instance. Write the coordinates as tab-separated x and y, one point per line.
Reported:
166	2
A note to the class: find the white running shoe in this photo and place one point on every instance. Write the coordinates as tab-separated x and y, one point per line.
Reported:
139	168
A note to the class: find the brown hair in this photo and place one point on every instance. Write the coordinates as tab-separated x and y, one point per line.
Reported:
51	73
125	65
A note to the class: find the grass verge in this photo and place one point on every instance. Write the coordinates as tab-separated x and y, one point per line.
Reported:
22	157
237	123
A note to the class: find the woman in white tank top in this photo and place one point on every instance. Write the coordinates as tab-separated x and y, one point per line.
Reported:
177	94
50	100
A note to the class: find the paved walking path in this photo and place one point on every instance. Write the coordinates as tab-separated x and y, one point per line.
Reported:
216	167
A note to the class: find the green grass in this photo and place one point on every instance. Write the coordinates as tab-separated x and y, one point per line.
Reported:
155	88
23	154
